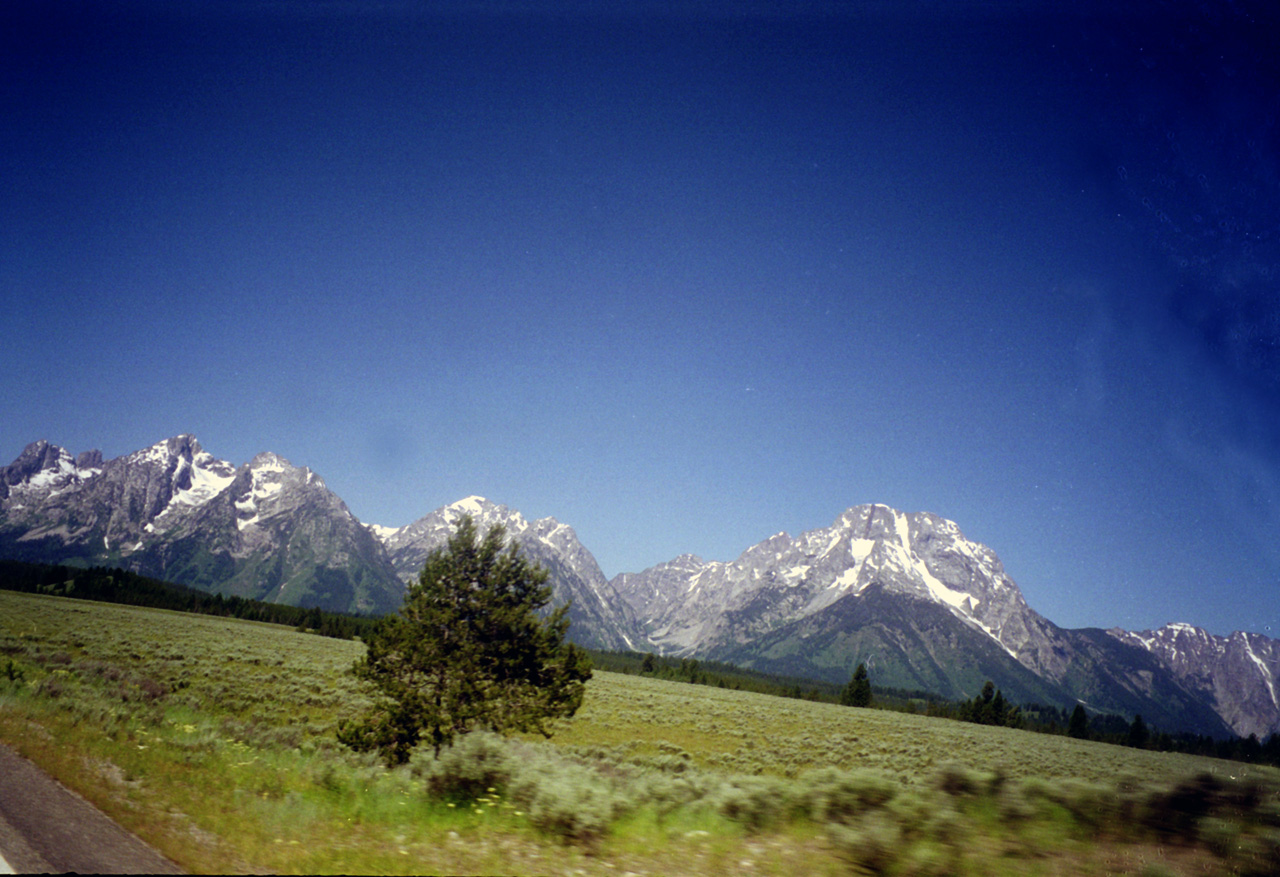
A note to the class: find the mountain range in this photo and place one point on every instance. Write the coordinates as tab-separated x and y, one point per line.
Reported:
907	594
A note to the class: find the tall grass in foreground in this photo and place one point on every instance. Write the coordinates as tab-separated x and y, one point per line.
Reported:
213	739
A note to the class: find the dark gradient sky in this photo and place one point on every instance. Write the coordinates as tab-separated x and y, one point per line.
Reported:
681	279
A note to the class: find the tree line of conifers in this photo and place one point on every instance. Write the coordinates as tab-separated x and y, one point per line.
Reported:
988	708
121	586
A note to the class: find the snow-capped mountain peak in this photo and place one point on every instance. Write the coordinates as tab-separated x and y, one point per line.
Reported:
1239	674
183	477
920	555
172	510
45	469
485	515
382	533
471	505
598	614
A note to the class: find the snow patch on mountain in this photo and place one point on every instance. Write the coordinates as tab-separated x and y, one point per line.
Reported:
471	505
383	533
267	475
1237	673
1263	671
55	472
209	477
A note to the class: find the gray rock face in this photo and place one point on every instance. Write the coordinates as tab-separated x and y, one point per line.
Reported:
908	594
266	530
921	556
1236	673
106	506
598	618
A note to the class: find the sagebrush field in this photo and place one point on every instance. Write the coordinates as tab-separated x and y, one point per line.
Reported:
213	739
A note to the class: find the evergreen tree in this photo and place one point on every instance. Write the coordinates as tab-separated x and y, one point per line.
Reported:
1078	726
1138	734
988	692
858	691
467	650
999	709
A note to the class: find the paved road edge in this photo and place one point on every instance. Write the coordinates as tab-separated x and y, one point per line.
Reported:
44	826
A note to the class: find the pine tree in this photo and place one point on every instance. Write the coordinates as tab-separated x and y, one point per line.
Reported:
1078	726
999	709
858	691
1138	734
467	650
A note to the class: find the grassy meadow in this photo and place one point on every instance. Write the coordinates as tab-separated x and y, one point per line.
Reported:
213	739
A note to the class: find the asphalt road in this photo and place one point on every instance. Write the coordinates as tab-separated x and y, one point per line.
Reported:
45	827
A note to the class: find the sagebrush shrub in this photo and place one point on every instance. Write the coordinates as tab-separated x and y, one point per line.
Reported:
870	845
666	793
956	780
1091	805
13	672
1221	836
476	763
566	799
1176	813
1013	804
52	687
757	802
151	690
833	795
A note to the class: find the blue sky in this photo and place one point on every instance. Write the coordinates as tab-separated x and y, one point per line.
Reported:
681	279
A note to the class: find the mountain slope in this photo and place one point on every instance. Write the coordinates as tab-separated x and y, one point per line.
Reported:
909	595
266	530
921	556
1237	674
598	618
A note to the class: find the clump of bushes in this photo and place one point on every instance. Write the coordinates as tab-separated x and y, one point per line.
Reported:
833	795
758	802
872	844
873	821
52	687
13	672
567	800
476	763
559	795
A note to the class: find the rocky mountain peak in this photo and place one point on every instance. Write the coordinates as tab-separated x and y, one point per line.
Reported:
270	461
44	469
36	457
89	459
1238	674
599	617
486	515
184	447
471	505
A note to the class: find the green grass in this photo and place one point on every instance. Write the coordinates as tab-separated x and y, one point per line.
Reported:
213	740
